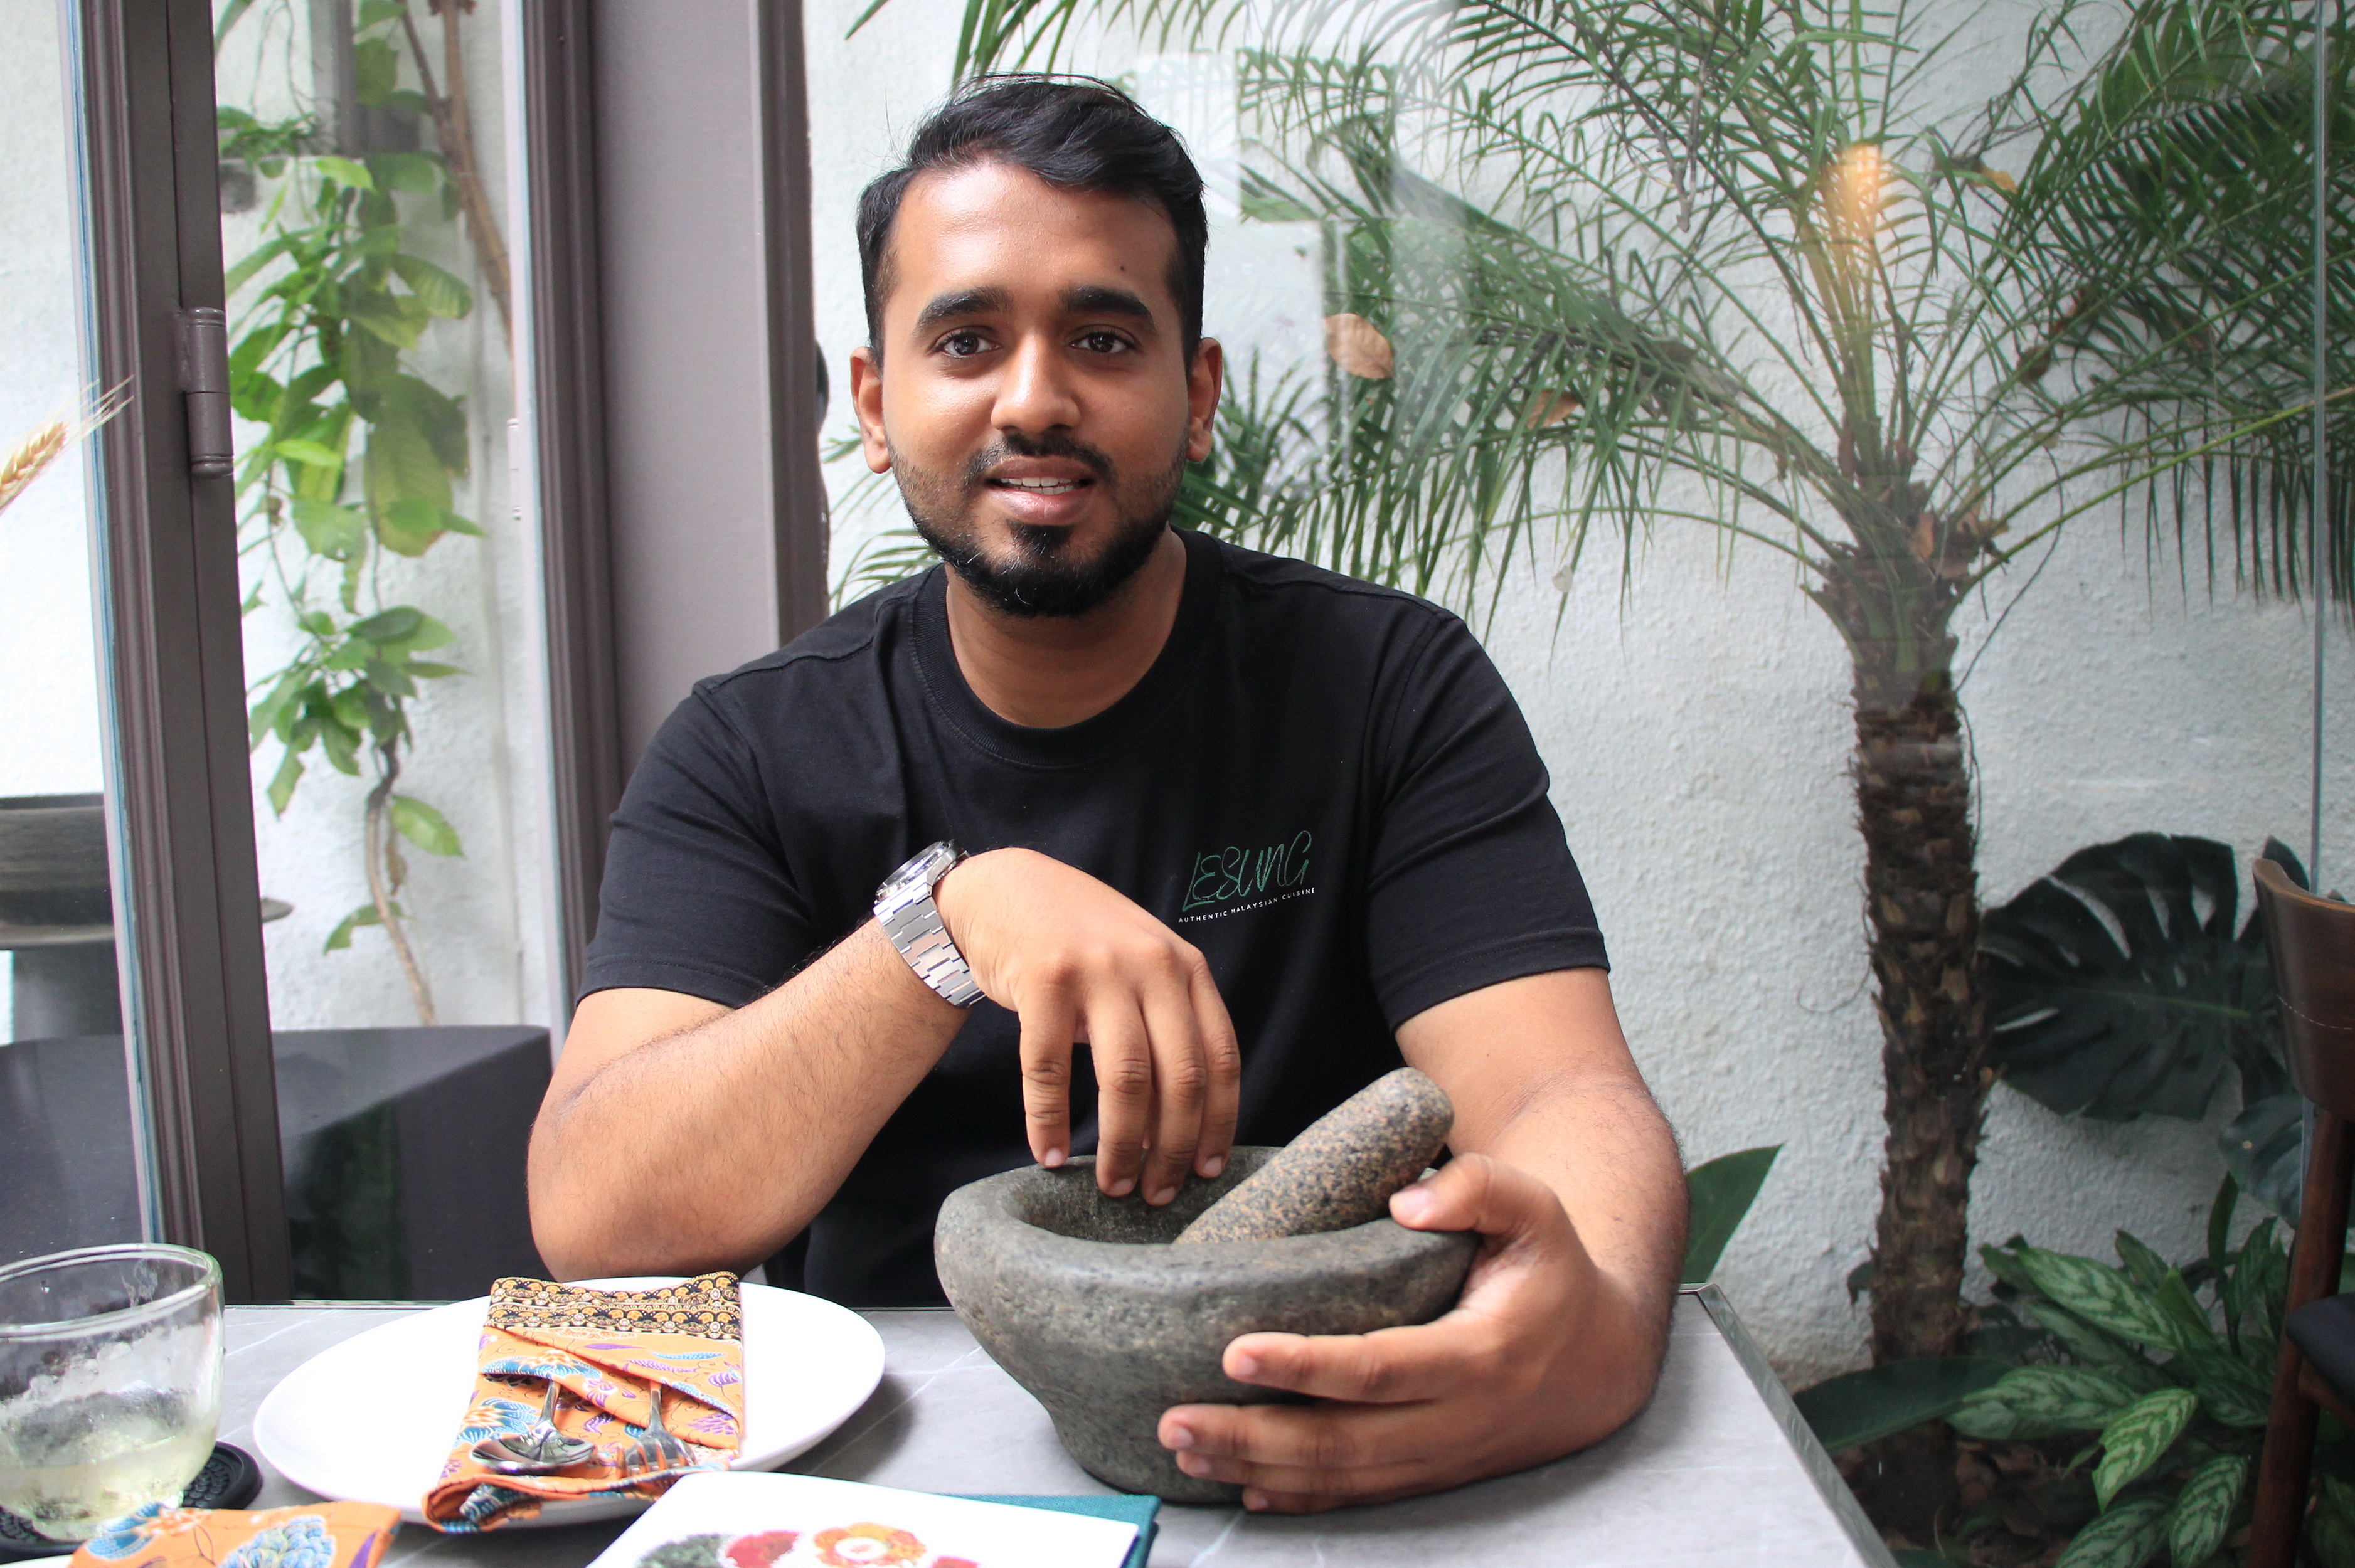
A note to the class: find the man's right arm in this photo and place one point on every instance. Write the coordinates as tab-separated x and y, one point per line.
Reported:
678	1135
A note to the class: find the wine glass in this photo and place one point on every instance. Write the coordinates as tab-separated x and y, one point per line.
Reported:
110	1383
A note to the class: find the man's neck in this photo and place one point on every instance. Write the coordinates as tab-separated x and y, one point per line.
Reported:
1052	670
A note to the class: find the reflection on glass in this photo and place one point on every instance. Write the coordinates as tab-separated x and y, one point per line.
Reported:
1768	384
66	1118
391	651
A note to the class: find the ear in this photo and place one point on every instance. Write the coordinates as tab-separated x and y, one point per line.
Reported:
867	401
1204	378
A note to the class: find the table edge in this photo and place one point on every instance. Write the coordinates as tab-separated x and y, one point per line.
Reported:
1812	1457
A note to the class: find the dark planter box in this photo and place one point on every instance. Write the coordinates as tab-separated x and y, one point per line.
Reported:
403	1152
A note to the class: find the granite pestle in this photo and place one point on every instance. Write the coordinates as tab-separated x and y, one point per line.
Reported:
1340	1173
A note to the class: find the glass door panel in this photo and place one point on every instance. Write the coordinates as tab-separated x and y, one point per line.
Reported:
68	1134
392	645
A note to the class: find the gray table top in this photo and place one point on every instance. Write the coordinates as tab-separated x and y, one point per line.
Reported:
1719	1470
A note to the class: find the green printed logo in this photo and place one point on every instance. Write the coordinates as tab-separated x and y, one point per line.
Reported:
1236	875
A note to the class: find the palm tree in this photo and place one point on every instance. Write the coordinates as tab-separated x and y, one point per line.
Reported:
1613	261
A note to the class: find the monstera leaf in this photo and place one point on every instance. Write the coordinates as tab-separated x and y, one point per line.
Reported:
2117	985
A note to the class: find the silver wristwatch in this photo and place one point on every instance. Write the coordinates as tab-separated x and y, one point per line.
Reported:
904	907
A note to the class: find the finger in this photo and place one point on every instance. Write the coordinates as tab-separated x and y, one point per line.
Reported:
1474	1192
1302	1438
1310	1491
1223	1063
1260	1500
1124	1063
1388	1366
1048	1026
1180	1085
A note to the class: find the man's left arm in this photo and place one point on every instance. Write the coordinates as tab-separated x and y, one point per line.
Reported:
1567	1171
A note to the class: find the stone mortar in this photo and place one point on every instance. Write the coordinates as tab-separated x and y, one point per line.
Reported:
1066	1291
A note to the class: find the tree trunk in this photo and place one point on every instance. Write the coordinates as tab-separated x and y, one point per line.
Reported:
1912	791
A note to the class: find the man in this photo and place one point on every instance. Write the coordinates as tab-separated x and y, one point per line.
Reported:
1250	832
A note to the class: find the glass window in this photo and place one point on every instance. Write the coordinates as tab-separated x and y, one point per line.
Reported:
1893	418
392	635
68	1153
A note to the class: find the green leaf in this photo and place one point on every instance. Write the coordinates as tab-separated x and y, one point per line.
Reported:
426	671
2331	1528
389	625
436	290
2263	1147
453	522
2203	1514
332	531
2042	1402
401	466
1863	1406
365	914
2080	1338
405	172
374	12
2089	1027
410	527
2146	1266
344	170
2127	1536
375	70
1720	1192
423	826
2229	1390
2101	1295
2139	1437
398	319
408	400
306	452
282	782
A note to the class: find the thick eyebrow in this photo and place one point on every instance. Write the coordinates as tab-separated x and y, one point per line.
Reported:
1097	298
963	302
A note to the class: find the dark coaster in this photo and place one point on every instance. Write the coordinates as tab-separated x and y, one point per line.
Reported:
229	1480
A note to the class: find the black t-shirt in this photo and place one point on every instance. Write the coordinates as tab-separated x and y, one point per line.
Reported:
1323	785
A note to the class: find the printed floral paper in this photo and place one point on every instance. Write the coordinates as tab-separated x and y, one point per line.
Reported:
805	1522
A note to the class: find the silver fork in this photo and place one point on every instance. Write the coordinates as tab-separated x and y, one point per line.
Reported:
656	1448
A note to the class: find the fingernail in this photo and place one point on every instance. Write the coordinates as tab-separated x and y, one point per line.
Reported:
1242	1364
1179	1438
1051	1159
1122	1188
1411	1203
1256	1501
1213	1165
1162	1195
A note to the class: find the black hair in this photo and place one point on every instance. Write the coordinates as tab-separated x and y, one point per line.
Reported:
1074	132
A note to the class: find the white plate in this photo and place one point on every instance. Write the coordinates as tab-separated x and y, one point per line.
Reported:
372	1419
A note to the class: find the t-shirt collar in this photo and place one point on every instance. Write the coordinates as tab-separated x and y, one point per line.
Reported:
1090	739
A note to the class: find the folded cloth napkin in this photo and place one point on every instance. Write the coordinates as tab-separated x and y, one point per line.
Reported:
611	1353
308	1535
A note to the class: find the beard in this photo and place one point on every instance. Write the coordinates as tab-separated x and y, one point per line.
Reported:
1043	579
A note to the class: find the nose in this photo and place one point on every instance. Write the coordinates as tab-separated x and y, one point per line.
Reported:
1036	393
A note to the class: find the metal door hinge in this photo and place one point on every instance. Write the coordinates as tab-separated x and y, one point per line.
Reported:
204	383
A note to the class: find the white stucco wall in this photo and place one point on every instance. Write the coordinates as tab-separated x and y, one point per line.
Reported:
1696	729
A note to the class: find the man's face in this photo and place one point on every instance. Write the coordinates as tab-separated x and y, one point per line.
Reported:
1038	409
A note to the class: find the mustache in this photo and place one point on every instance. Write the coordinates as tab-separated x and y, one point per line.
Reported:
1054	444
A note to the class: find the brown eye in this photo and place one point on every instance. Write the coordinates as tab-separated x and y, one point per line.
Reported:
964	344
1102	342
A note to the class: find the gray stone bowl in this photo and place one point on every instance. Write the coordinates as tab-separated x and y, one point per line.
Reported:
1066	1291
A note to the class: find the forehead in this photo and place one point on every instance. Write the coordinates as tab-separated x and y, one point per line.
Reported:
995	225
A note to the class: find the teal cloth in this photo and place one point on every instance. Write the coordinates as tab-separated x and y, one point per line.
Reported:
1138	1511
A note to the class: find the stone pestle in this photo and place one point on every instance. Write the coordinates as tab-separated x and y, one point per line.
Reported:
1341	1171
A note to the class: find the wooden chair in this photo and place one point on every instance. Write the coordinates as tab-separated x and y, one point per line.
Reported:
2313	944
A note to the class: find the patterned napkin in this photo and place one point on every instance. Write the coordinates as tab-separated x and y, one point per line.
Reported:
308	1535
611	1353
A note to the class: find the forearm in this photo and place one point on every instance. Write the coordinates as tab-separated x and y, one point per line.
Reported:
714	1146
1603	1147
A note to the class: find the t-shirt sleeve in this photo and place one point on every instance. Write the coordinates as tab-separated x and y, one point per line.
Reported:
1470	883
699	896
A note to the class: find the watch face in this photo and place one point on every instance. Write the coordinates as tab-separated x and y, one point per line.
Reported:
917	875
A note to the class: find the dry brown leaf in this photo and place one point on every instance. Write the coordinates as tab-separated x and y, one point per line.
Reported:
1551	407
1358	347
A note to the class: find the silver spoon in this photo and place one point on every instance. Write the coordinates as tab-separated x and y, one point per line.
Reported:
538	1450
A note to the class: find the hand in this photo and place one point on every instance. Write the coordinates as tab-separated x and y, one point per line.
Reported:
1544	1355
1076	960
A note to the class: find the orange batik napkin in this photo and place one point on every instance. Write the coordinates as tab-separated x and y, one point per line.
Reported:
611	1352
307	1535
